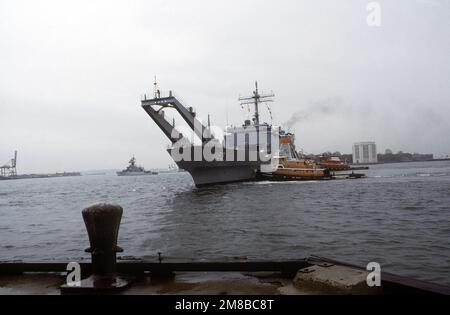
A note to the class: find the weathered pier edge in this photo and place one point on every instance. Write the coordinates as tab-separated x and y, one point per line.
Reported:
104	274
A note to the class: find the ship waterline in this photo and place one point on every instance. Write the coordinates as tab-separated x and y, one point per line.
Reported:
219	172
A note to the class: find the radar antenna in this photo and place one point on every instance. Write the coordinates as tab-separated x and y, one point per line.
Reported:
255	100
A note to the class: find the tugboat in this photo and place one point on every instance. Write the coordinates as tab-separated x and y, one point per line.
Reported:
134	170
292	166
301	169
333	163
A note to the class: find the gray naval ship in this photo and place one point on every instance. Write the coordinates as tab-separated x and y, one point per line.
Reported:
134	170
240	154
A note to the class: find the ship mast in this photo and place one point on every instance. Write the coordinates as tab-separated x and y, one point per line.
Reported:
256	99
156	91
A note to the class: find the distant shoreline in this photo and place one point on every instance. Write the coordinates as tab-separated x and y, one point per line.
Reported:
397	162
30	176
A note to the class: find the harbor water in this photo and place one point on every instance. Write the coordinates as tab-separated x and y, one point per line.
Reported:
399	216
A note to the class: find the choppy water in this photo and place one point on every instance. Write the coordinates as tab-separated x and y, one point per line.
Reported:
399	217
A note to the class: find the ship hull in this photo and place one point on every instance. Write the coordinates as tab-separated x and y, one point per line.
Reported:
221	175
214	172
210	173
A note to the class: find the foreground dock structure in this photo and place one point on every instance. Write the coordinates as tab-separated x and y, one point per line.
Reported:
105	274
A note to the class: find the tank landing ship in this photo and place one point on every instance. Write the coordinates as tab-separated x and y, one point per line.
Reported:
235	159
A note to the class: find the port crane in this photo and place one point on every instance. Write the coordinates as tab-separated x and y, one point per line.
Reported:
9	168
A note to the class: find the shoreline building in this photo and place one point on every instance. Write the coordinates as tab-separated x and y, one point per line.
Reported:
365	153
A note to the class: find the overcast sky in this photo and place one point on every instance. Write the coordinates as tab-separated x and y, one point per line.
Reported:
72	74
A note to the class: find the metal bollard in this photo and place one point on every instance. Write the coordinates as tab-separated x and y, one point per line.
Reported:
102	224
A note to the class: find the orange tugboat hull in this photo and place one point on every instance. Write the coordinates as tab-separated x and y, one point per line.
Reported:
302	173
334	164
304	169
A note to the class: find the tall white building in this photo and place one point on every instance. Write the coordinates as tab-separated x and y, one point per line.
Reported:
364	153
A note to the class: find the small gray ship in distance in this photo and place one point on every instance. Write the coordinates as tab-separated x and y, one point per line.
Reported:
249	140
134	170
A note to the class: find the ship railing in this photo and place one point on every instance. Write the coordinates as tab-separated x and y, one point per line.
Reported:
160	94
165	94
182	101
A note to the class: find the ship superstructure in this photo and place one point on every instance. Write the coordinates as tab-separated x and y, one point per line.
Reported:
134	170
